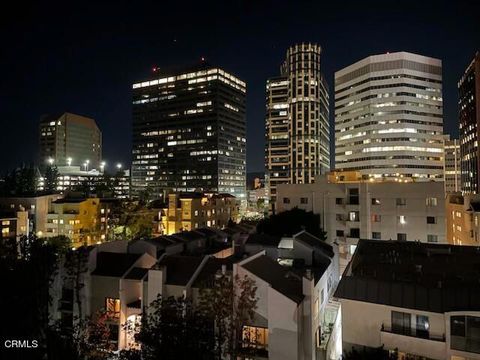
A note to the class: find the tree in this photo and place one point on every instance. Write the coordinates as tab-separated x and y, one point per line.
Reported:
290	222
171	328
51	179
230	304
75	264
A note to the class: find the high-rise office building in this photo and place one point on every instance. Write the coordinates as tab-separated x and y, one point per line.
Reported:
189	132
389	117
469	113
297	131
70	140
452	172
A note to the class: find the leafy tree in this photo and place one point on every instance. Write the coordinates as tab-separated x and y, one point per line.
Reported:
76	265
230	304
290	222
51	179
171	328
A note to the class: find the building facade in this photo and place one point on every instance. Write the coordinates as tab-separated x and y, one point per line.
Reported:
398	296
351	209
389	117
469	113
462	214
189	132
297	130
13	225
70	139
190	211
451	169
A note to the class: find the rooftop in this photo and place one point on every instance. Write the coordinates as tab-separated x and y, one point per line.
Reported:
211	267
180	269
114	264
315	242
279	277
414	275
264	239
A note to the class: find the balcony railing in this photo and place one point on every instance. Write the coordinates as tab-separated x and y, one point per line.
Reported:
414	333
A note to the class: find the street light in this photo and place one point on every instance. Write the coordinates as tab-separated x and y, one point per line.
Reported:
69	161
119	166
50	161
102	166
86	164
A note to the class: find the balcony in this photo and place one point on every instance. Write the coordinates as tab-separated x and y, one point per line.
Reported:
429	345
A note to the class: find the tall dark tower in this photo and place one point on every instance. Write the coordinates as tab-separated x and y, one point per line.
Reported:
189	132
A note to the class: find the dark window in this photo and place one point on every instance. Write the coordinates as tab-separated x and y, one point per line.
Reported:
355	233
376	235
303	200
353	196
375	201
432	238
401	237
401	202
422	326
465	333
339	201
431	220
286	200
340	233
400	323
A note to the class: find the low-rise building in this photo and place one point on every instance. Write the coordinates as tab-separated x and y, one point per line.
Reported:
13	225
36	206
417	299
83	220
462	219
353	207
189	211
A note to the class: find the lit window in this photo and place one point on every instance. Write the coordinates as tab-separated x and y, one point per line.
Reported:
6	222
5	231
431	201
255	337
112	307
402	220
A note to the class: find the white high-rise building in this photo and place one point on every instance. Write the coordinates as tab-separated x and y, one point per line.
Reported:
452	173
389	117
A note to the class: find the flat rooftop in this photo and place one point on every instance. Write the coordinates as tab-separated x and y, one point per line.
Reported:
413	275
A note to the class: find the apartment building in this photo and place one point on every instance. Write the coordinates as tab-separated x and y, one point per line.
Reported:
353	207
13	224
189	211
418	300
462	214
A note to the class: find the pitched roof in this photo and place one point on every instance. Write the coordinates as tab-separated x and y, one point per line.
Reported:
136	273
206	276
114	264
180	269
279	277
413	275
264	239
315	242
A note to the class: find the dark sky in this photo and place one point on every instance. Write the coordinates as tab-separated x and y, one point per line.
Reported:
83	57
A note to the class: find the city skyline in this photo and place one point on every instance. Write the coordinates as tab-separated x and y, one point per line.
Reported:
87	68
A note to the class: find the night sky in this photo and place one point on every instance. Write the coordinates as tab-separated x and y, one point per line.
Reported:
84	58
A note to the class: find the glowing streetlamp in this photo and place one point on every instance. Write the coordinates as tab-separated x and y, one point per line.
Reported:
102	166
50	160
69	161
119	166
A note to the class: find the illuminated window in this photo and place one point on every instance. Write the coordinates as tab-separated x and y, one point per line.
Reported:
112	307
402	220
255	337
431	201
5	231
376	218
375	201
61	221
6	222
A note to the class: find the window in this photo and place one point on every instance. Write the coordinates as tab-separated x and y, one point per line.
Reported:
401	201
376	235
255	337
339	201
401	237
402	219
340	233
422	326
376	218
5	231
465	333
303	200
196	213
431	220
432	238
353	216
431	201
315	308
355	233
112	307
286	200
6	222
401	323
339	217
353	196
375	201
